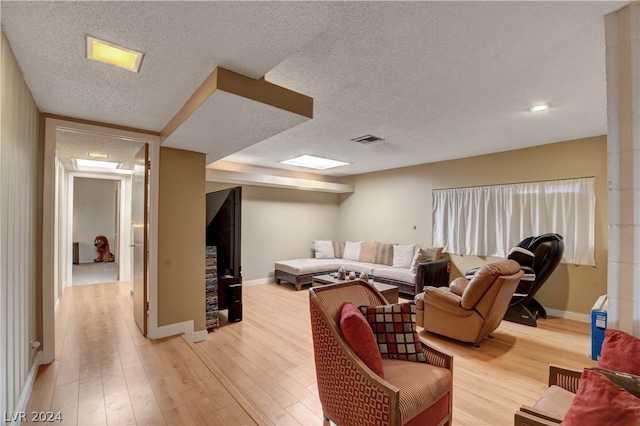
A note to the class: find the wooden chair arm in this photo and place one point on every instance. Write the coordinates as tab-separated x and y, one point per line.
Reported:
437	357
565	378
528	416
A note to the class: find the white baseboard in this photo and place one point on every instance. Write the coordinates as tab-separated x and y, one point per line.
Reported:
28	387
198	336
185	327
569	315
259	281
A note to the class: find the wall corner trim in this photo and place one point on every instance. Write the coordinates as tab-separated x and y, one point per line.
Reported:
28	387
185	327
198	336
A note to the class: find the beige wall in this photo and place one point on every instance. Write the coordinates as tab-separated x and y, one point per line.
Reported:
281	224
181	238
386	205
19	202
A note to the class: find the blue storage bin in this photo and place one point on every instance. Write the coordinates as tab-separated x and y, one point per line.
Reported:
598	326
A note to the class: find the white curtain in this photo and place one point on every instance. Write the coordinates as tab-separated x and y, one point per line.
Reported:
490	220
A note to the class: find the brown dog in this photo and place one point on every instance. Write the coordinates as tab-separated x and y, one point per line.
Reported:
102	246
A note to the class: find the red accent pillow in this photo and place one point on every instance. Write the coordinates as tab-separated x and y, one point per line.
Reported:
599	401
620	352
358	334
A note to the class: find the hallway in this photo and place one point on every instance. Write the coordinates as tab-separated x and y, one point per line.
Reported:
105	372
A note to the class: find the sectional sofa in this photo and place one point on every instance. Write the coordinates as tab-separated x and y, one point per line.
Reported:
408	266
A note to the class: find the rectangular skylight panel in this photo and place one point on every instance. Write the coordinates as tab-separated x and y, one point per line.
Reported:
313	162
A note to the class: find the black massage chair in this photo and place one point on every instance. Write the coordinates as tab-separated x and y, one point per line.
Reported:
538	258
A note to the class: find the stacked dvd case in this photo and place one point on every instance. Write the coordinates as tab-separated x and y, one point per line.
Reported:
211	288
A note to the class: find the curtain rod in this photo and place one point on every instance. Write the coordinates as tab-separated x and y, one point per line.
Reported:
514	183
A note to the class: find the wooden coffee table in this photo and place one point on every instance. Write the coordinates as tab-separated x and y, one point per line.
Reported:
390	292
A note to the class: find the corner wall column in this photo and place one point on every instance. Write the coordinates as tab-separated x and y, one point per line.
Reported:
622	34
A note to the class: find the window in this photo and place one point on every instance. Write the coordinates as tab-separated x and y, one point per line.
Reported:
490	220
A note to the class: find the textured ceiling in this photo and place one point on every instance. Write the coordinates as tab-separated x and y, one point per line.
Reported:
436	80
226	123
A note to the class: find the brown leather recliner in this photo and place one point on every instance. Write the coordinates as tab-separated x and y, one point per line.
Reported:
469	310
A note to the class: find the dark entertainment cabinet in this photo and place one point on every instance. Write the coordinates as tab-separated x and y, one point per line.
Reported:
223	231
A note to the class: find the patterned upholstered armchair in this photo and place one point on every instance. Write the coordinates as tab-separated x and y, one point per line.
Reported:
411	393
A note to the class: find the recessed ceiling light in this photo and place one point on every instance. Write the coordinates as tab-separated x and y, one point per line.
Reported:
539	108
103	51
83	163
97	155
313	162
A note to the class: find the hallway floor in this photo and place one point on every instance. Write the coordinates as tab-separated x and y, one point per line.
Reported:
94	273
107	373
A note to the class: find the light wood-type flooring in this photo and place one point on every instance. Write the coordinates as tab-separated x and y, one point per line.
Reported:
94	273
261	370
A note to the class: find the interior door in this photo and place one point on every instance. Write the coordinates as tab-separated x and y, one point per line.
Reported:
139	203
116	241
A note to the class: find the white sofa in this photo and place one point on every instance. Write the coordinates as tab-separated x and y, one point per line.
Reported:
410	267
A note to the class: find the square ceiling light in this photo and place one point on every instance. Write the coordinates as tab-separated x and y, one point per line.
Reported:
99	155
83	164
313	162
109	53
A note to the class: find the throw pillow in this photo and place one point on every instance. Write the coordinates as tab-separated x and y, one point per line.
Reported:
601	402
351	250
437	252
383	254
366	252
421	255
626	381
358	334
323	249
395	329
338	249
620	352
403	255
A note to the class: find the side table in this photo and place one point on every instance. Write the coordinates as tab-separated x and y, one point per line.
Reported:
390	292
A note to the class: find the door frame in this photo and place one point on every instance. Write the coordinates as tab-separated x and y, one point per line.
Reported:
54	196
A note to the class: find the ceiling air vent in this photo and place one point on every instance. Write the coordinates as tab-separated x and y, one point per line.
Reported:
366	139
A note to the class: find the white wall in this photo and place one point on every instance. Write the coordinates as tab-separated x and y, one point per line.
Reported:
622	30
94	213
18	234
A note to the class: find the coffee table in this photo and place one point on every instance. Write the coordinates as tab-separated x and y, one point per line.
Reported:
390	292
